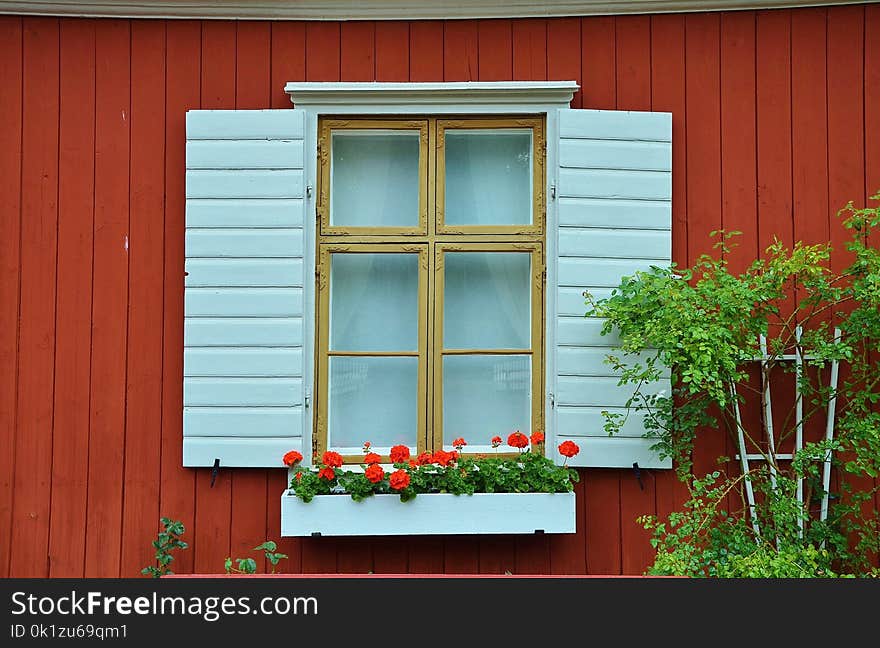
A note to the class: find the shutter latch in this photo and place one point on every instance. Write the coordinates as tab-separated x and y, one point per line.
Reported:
308	398
638	474
553	192
552	399
308	191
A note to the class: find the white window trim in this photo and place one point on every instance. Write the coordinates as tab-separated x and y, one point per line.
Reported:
501	97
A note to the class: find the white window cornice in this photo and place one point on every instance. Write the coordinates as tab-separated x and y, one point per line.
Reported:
471	96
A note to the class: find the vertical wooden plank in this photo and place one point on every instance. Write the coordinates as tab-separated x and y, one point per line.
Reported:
358	51
738	135
495	50
809	126
637	494
288	59
461	555
668	95
392	50
532	555
110	297
218	79
426	555
182	92
599	62
872	133
738	172
322	47
390	555
633	57
354	556
602	520
250	497
497	554
253	71
846	148
36	332
213	506
277	484
774	127
564	53
460	58
143	414
530	49
568	552
318	555
702	65
76	186
426	50
10	235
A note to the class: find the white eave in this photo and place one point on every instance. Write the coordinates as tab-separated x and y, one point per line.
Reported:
384	9
305	94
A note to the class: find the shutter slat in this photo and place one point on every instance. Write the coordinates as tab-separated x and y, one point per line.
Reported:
615	218
243	297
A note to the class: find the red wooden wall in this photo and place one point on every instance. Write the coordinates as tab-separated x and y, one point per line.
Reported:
776	124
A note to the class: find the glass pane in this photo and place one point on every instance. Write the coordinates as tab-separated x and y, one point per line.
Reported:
484	396
488	177
375	179
487	300
374	302
373	399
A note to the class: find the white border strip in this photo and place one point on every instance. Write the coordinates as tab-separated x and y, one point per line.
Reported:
385	9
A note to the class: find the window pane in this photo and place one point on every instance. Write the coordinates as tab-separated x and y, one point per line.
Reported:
375	179
488	177
487	300
484	396
373	399
374	302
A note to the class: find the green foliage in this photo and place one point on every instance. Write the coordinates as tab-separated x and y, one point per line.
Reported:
269	549
249	565
527	472
167	541
701	327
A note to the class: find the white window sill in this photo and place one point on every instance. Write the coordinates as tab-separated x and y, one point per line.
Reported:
428	514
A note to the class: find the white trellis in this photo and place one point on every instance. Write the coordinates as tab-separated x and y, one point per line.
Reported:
772	455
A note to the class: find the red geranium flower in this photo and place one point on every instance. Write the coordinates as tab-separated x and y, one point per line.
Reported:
496	441
372	458
367	446
399	479
459	443
568	448
374	473
399	454
443	458
518	440
327	473
332	459
298	476
424	458
412	463
292	458
537	437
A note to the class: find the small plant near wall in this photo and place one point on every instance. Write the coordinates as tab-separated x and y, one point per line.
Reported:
792	321
529	471
167	541
249	565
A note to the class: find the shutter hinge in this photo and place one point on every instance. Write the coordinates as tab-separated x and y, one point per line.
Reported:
308	398
553	192
308	191
552	400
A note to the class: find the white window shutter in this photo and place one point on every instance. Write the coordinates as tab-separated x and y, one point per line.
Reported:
614	209
243	326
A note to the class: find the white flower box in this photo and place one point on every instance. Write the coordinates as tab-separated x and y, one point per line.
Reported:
428	514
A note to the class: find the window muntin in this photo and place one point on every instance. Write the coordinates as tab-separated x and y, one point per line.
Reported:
479	287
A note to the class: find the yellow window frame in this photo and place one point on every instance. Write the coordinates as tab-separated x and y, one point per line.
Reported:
431	241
